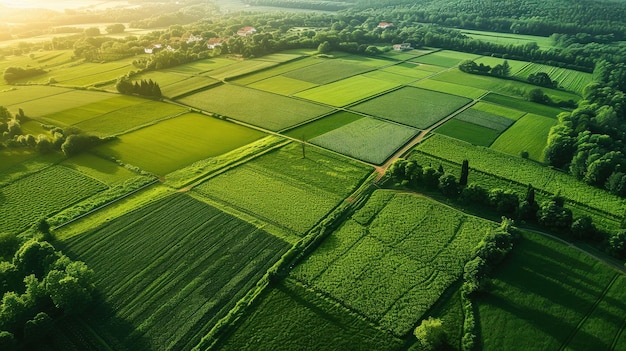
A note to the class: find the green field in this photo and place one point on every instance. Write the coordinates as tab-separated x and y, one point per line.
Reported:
282	85
412	71
530	133
25	201
239	69
568	79
394	258
17	95
85	112
450	88
523	105
514	65
174	143
470	132
256	107
201	66
390	77
38	107
171	270
277	70
187	86
405	55
306	322
485	119
415	107
328	71
323	125
347	91
286	190
541	294
85	74
498	110
509	38
445	58
105	171
523	171
366	139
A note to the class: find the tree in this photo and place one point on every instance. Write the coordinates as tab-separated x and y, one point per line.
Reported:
554	217
116	28
505	201
7	341
324	48
582	228
35	257
448	185
464	173
38	327
617	244
8	245
430	334
92	31
537	95
542	79
475	194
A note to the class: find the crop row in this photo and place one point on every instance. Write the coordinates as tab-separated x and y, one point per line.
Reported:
569	79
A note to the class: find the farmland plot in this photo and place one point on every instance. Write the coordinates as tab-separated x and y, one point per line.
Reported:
498	110
568	79
470	132
392	262
412	71
347	91
445	58
82	113
194	266
530	134
485	119
16	96
522	105
328	71
256	107
282	85
323	125
515	66
415	107
59	102
277	70
366	139
239	69
450	88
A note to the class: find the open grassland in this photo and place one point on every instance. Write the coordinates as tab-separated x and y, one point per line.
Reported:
329	71
499	110
366	139
412	71
445	58
201	66
375	62
523	171
415	107
33	127
307	321
25	201
347	91
174	143
256	107
286	190
277	70
514	65
542	293
85	74
282	85
450	88
280	57
503	86
470	132
187	86
530	134
568	79
171	273
523	105
405	55
82	113
389	77
485	119
125	119
509	38
239	69
394	258
43	59
323	125
105	171
59	102
17	95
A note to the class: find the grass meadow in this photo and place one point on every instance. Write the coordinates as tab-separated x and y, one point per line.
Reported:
277	70
282	85
445	58
323	125
522	105
328	71
509	38
17	95
467	131
568	79
347	91
59	102
450	88
190	137
530	134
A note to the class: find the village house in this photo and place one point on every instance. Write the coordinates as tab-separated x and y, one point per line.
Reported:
402	47
246	31
384	25
215	42
192	39
153	48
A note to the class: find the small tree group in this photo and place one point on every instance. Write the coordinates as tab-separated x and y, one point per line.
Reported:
147	88
499	70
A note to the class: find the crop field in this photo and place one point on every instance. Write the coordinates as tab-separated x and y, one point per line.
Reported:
404	247
238	69
390	77
450	88
329	71
550	292
256	107
445	58
85	112
187	86
415	107
509	38
85	73
522	105
277	70
59	102
193	267
530	134
105	171
174	143
201	66
306	322
286	190
367	139
568	79
16	95
347	91
282	85
515	65
498	110
405	55
323	125
33	127
412	71
31	198
470	132
485	119
523	171
280	57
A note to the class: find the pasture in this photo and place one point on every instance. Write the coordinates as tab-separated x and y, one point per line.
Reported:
104	171
498	110
238	69
514	65
568	79
58	102
404	247
328	71
445	58
485	119
174	143
282	85
366	139
85	112
509	38
412	71
347	91
554	294
256	107
323	125
194	266
277	70
414	107
284	189
522	105
530	134
405	55
17	95
470	132
450	88
390	77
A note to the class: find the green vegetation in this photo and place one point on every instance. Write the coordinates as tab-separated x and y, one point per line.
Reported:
509	38
445	58
467	131
199	258
529	134
174	143
328	71
347	91
104	171
238	69
498	110
522	105
256	107
323	125
282	85
51	103
568	79
88	111
277	71
367	139
450	88
485	119
415	107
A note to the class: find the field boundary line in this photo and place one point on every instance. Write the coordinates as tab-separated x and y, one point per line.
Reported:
573	333
617	335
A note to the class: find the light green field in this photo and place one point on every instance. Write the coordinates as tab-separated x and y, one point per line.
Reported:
17	95
59	102
238	69
282	85
323	125
201	66
82	113
530	133
174	143
470	132
279	57
415	107
509	38
366	139
256	107
328	71
33	127
445	58
105	171
276	70
499	110
485	119
347	91
86	73
523	105
405	55
411	72
367	61
186	86
568	79
450	88
389	77
515	65
164	77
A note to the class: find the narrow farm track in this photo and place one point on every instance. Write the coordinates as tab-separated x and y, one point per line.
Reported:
617	335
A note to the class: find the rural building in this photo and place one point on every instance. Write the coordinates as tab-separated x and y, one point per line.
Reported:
192	39
215	42
152	49
402	47
246	31
385	25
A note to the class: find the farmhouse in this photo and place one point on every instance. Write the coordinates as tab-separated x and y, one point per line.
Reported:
402	47
215	42
246	31
152	49
385	25
192	39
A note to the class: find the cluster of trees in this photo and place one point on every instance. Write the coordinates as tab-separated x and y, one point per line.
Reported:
499	70
303	4
13	74
37	284
146	88
542	79
550	214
